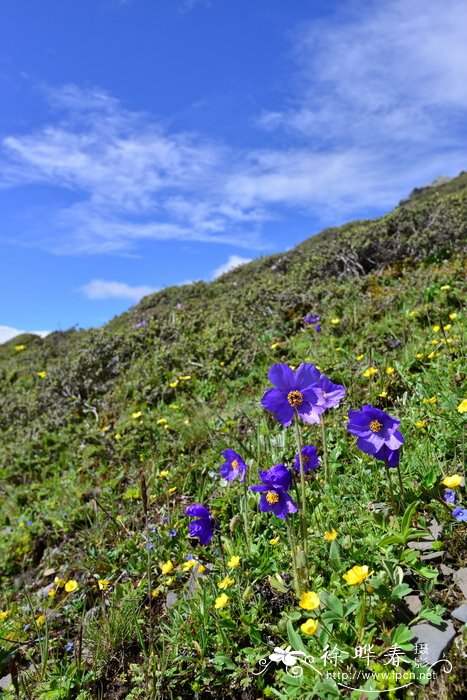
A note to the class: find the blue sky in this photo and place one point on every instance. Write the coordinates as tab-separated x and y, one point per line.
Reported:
145	143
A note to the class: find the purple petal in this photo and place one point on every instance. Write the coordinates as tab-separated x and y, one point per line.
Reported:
370	446
197	510
281	376
306	375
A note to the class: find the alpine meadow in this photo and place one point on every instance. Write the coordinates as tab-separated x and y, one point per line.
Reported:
252	487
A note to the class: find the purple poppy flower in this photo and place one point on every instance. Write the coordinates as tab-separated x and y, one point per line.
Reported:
449	496
389	457
332	393
310	459
311	318
233	467
374	429
460	514
294	392
202	528
274	497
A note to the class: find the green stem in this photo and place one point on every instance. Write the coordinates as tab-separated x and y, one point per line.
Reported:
325	452
293	545
303	522
221	547
391	490
401	485
245	516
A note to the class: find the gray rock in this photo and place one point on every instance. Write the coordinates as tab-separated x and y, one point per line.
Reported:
5	682
460	613
446	570
436	639
435	528
413	603
433	556
171	599
422	545
460	577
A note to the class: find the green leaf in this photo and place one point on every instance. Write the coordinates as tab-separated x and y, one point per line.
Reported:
430	615
407	517
401	636
334	555
334	604
401	590
294	638
277	583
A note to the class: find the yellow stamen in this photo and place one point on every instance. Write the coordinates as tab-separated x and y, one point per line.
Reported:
295	398
235	464
272	497
375	426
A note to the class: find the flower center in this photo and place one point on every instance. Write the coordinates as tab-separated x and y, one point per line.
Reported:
295	398
305	459
375	426
235	464
272	497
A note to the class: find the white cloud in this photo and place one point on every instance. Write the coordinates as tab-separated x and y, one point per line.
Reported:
105	289
7	333
230	264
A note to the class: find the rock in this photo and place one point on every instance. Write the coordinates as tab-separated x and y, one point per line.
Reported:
460	613
422	545
413	603
435	528
42	592
171	599
446	570
436	639
460	577
5	682
433	556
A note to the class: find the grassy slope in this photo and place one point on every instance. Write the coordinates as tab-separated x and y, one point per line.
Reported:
72	456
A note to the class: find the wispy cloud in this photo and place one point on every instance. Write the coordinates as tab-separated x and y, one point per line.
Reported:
106	289
7	333
377	104
230	264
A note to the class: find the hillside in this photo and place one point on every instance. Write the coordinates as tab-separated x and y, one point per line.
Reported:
109	434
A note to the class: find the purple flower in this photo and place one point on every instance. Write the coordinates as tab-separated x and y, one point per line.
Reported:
233	467
274	497
332	393
449	496
374	429
172	533
141	324
310	459
202	528
460	514
318	328
389	457
295	392
69	646
311	318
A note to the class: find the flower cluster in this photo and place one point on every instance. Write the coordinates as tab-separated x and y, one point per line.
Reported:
377	434
275	497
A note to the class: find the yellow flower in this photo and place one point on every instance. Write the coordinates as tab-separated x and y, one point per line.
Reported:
275	540
335	321
309	627
330	535
162	421
4	614
52	592
432	355
173	384
462	407
118	437
275	345
309	601
222	363
389	370
186	422
59	582
360	357
453	481
103	584
42	374
40	620
356	575
201	569
167	567
453	316
447	327
419	355
436	329
233	562
370	372
221	601
190	564
445	287
337	349
432	400
383	395
174	406
136	414
413	313
155	593
226	582
19	348
172	489
185	377
421	424
71	586
169	581
163	474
